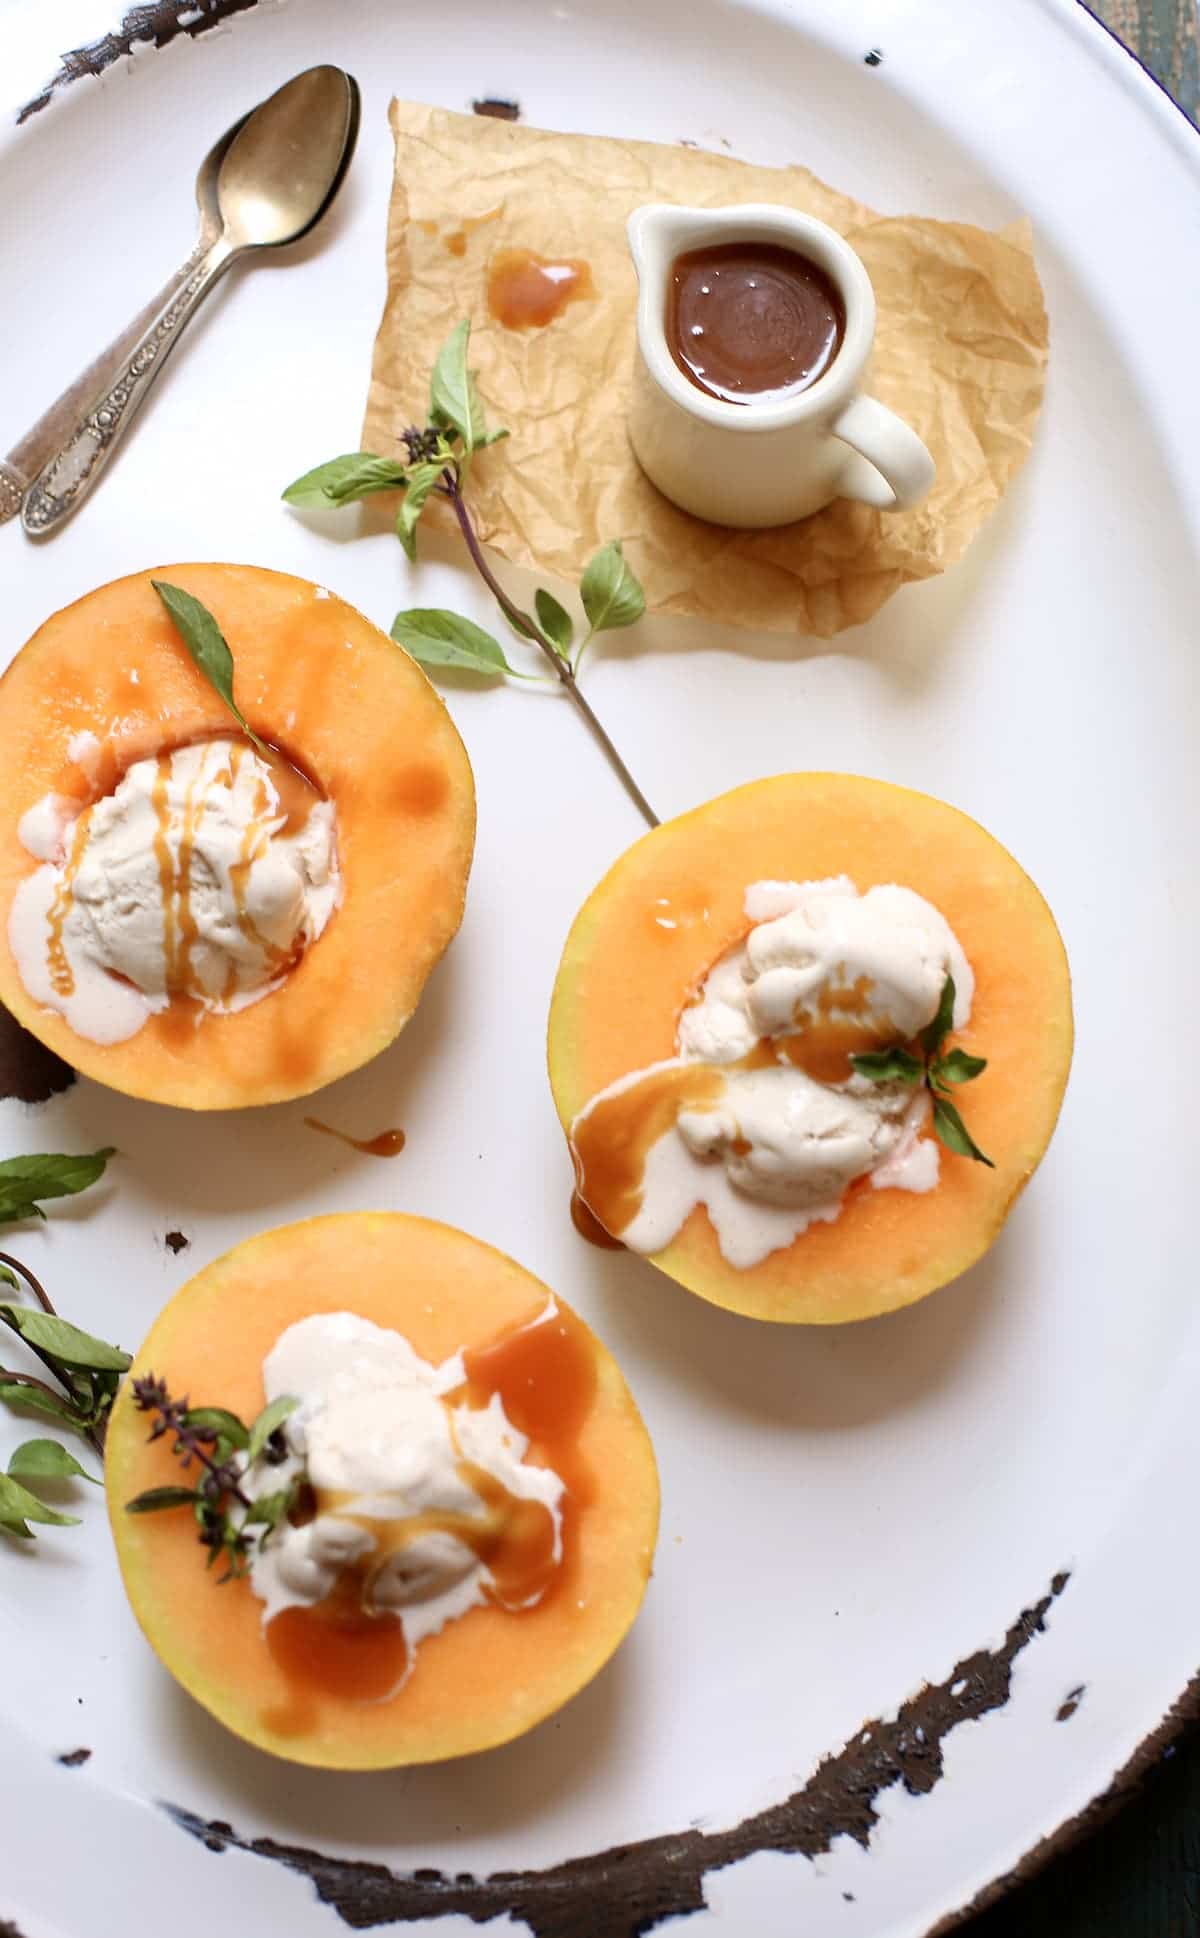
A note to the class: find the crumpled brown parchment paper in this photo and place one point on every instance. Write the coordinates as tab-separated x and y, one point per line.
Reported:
960	352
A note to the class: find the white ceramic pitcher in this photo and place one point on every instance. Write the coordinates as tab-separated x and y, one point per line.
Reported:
754	464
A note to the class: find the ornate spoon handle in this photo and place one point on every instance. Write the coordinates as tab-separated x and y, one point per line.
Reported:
90	440
46	437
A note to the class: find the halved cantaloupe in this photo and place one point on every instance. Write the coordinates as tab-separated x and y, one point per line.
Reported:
354	713
647	936
492	1673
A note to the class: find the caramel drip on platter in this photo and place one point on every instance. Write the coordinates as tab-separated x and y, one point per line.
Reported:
545	1375
62	979
388	1143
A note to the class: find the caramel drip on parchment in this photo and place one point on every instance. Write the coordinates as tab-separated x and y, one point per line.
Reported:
526	291
456	241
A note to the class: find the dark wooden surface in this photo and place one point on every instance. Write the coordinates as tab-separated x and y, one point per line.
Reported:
1139	1877
1163	34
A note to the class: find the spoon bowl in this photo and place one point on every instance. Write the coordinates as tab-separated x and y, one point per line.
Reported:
288	160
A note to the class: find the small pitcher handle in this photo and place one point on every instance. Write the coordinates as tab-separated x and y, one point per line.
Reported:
897	471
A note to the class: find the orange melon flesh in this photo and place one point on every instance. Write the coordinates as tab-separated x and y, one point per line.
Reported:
625	976
489	1675
355	713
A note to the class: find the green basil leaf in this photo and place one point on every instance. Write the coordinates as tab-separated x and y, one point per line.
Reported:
444	639
518	628
46	1175
341	480
272	1416
555	621
421	481
61	1340
155	1499
18	1505
611	594
15	1207
46	1460
16	1393
215	1419
206	643
933	1035
269	1510
454	401
954	1134
888	1066
958	1067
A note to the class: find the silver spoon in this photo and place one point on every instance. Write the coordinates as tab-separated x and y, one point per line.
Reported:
279	173
47	436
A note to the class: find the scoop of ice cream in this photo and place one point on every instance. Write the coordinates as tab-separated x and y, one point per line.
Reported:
388	1458
819	950
790	1141
186	880
822	973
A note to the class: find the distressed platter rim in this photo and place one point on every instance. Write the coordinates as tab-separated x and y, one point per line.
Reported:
674	1868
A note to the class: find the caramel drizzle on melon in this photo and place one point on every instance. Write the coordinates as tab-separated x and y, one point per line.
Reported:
340	1649
62	979
613	1139
296	796
255	836
512	1537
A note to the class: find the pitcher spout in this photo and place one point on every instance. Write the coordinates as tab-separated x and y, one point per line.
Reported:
660	231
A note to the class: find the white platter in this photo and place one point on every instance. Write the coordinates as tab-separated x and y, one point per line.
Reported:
847	1515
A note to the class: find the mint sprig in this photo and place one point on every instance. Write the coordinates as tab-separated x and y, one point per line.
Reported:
934	1071
86	1373
208	647
439	456
46	1174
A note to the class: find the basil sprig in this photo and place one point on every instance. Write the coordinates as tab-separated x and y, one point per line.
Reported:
437	462
225	1449
935	1071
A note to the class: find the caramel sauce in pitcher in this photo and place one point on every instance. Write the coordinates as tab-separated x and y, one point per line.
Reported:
752	322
